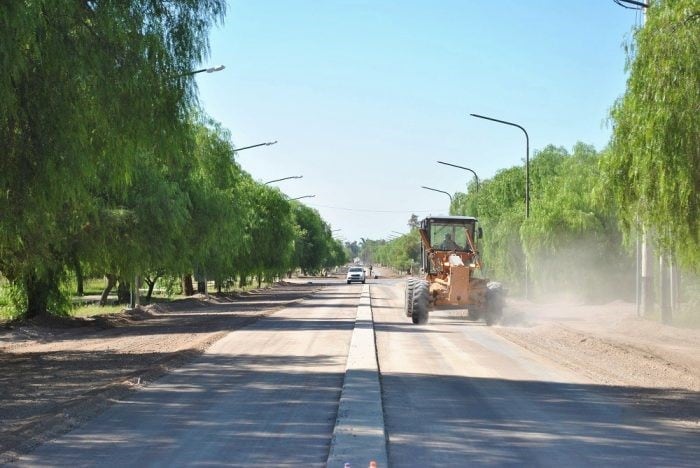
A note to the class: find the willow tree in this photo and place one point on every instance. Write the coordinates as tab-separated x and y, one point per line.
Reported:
270	227
86	89
311	243
653	169
218	193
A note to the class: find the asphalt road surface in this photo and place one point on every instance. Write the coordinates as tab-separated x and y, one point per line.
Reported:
454	393
457	394
266	395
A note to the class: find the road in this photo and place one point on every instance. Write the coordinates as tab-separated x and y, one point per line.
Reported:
265	395
454	393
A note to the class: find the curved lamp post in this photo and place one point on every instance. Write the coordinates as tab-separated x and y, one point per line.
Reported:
283	178
527	157
236	150
527	181
436	190
466	169
636	5
205	70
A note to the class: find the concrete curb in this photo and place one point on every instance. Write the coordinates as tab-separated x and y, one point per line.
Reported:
358	436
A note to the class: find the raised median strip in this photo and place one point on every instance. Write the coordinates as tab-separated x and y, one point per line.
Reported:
358	436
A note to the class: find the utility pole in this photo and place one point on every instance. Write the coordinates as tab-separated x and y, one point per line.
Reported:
644	289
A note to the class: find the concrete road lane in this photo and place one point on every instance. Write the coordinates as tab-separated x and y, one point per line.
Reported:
457	394
266	395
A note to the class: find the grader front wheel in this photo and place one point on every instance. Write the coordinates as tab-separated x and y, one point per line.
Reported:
421	302
408	303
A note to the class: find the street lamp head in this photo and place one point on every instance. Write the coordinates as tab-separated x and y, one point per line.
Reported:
283	178
436	190
215	69
255	146
466	169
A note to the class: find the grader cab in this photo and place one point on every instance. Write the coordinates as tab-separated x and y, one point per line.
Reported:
450	261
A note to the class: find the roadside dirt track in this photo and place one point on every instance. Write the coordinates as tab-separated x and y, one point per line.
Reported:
609	345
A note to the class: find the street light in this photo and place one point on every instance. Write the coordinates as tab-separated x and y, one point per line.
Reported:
466	169
527	157
207	70
638	5
527	182
203	70
441	191
236	150
303	196
283	178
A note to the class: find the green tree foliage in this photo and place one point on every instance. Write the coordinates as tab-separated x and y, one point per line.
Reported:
402	253
500	207
571	240
270	232
108	168
653	168
338	254
218	195
312	246
87	89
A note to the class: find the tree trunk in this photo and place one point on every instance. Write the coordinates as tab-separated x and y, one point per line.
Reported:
37	296
201	287
151	284
111	281
123	292
187	286
78	277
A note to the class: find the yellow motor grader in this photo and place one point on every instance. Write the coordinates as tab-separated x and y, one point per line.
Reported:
449	262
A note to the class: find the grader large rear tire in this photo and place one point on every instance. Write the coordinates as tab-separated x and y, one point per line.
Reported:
421	302
408	304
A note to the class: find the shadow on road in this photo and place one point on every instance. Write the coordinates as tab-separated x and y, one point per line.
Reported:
531	423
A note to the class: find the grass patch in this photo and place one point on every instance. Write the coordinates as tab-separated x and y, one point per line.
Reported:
94	309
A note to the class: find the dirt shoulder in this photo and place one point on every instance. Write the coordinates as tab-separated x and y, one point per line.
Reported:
610	345
54	376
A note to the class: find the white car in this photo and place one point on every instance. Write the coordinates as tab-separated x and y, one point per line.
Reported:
355	274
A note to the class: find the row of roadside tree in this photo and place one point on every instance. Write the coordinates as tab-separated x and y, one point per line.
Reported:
109	167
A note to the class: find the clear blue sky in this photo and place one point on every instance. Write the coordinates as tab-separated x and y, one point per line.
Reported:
364	96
